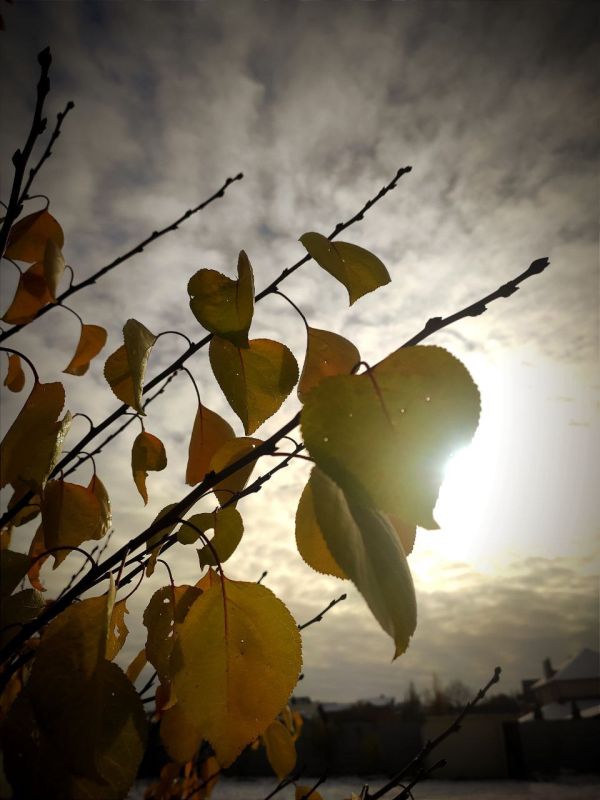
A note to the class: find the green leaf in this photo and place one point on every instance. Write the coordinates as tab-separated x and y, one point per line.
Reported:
255	660
255	380
359	270
386	435
223	306
367	548
327	354
125	368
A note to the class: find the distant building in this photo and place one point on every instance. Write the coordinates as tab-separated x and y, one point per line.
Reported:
571	691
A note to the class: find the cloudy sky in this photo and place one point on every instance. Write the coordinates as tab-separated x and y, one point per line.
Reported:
319	103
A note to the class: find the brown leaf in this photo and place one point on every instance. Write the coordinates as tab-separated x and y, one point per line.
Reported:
148	454
210	431
91	341
32	293
28	237
15	377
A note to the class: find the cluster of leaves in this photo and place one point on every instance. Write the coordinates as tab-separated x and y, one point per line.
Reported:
226	653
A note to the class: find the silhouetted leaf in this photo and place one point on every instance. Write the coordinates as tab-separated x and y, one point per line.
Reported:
228	527
165	611
228	454
13	568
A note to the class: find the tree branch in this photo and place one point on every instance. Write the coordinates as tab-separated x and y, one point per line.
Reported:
20	159
138	248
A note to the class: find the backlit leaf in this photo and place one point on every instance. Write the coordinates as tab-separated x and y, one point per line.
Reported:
255	380
254	663
309	538
32	445
54	266
28	512
280	748
32	293
15	377
28	237
117	630
13	568
165	611
306	791
152	545
359	270
406	533
228	454
326	354
228	527
210	431
137	665
91	341
179	734
367	548
224	306
125	368
147	455
419	405
71	514
36	548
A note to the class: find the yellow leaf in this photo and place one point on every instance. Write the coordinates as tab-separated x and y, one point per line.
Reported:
406	533
32	294
117	630
309	538
125	368
180	735
280	748
148	454
228	454
13	567
224	306
367	548
136	666
386	435
54	266
15	377
210	431
91	341
28	237
254	663
152	545
359	270
28	512
161	618
36	548
32	445
255	380
326	354
92	715
71	514
228	527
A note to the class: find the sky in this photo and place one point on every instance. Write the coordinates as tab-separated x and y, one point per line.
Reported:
494	105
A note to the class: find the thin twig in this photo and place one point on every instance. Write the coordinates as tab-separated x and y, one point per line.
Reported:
178	363
321	614
417	762
47	152
138	248
20	158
